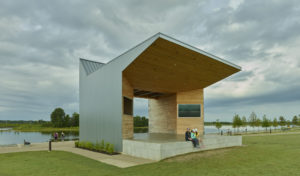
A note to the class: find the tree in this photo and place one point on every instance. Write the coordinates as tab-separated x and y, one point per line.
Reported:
257	123
75	119
288	123
295	121
57	117
252	119
236	122
218	125
139	121
275	123
244	122
41	121
67	121
265	122
282	121
144	121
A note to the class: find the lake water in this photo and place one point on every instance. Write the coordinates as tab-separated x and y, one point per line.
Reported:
225	128
10	137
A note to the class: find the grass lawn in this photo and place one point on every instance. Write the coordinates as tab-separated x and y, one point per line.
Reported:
262	155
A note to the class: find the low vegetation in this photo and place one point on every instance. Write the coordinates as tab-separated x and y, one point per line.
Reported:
41	128
140	129
98	147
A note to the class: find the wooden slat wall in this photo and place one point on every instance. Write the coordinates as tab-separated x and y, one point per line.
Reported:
162	115
127	120
190	97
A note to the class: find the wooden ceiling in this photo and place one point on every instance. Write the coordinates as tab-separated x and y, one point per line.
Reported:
148	94
167	67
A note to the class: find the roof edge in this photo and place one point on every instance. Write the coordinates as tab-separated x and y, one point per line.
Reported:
183	44
156	35
176	41
90	66
91	61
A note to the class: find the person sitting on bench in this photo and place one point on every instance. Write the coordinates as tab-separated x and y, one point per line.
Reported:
194	138
26	142
188	135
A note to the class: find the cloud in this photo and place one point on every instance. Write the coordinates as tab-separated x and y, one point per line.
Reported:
40	43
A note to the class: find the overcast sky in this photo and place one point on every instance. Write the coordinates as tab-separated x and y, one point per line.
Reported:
41	41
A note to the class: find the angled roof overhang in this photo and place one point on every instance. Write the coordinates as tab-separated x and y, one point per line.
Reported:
170	66
162	65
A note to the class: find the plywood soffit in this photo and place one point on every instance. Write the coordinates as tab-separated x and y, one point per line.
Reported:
167	67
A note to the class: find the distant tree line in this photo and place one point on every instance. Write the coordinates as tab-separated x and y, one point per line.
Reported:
214	123
265	122
60	119
140	121
20	121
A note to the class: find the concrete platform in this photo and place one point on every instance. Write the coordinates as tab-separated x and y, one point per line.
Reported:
161	146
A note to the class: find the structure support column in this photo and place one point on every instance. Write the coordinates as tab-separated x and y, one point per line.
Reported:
127	119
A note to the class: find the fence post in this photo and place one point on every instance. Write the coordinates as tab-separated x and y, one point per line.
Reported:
50	147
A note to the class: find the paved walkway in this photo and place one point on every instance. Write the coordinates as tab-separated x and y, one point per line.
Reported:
121	160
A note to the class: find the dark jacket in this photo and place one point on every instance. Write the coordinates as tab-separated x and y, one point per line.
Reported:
187	135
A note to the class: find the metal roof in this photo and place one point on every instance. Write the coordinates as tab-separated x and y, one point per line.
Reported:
90	66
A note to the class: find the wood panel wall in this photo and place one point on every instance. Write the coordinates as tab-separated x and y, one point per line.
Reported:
162	114
127	120
190	97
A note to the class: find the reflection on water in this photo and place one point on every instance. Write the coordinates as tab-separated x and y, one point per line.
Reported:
225	128
8	137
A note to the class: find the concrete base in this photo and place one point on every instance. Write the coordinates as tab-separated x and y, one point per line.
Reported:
158	149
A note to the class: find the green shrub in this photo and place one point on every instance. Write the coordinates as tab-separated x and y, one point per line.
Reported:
94	146
98	146
84	144
89	145
111	149
81	144
76	143
102	145
107	147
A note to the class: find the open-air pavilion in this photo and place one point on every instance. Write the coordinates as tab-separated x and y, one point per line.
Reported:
169	73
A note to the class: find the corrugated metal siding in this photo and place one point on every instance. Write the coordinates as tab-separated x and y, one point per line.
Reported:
90	66
100	99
